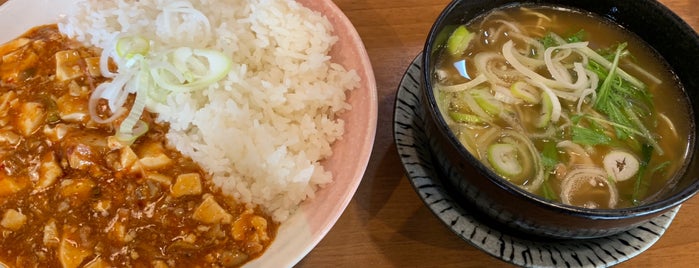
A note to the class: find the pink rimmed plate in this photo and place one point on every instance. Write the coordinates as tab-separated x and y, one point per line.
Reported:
311	222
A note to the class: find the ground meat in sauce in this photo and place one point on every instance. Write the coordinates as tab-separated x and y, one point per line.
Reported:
73	196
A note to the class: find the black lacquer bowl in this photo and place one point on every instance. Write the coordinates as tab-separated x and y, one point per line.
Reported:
522	211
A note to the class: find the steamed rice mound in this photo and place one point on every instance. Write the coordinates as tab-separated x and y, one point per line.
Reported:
262	130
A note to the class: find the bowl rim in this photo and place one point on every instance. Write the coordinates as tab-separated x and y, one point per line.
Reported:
650	208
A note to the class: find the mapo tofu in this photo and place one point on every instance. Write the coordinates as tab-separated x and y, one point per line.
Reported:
73	195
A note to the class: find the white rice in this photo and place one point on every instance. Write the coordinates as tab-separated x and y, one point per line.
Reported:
261	131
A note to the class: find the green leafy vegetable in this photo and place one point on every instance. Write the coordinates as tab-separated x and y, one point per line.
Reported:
641	185
549	155
575	119
579	36
547	190
549	159
549	41
586	136
605	97
610	52
661	167
623	103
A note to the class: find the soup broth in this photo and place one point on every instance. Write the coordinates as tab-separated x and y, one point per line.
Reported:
565	105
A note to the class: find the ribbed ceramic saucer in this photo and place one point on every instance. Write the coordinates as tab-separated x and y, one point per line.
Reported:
506	245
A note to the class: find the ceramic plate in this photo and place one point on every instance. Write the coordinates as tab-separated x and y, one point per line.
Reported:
510	247
308	225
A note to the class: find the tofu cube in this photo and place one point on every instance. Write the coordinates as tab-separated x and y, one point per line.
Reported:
9	186
93	66
67	65
160	178
70	254
72	109
186	184
80	188
31	116
49	171
209	211
51	238
97	262
13	220
152	156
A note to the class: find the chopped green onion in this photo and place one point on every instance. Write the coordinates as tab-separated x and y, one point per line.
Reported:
152	77
504	158
190	72
546	110
138	130
487	102
140	84
459	40
525	92
443	36
464	118
127	47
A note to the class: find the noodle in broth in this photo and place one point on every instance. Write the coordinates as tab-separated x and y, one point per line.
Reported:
564	104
